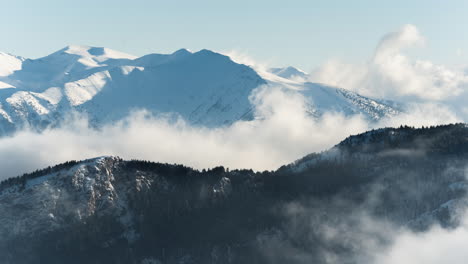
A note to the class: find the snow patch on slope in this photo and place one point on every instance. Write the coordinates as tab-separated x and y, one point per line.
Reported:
9	64
23	99
53	95
84	90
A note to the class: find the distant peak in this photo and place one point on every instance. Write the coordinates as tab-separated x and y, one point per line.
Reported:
291	68
100	159
74	48
210	53
89	51
207	51
77	47
288	72
182	52
287	69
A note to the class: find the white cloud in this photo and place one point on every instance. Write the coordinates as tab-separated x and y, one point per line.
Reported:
243	58
393	75
433	247
425	114
337	230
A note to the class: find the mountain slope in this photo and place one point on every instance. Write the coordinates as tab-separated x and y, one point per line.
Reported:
107	210
337	100
204	87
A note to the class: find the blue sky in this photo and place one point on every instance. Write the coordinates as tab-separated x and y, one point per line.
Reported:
304	33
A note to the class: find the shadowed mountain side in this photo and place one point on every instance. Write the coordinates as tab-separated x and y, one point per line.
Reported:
108	210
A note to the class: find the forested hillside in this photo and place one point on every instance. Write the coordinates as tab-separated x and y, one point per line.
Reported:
108	210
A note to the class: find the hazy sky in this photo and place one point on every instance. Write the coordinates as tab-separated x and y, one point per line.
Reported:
302	32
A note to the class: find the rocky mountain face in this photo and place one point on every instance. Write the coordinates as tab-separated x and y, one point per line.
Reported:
108	210
204	88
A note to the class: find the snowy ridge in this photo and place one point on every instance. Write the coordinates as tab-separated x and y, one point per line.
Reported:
391	142
204	88
86	189
331	99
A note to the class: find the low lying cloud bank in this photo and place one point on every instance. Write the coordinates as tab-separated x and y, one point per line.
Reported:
362	239
433	247
337	229
282	133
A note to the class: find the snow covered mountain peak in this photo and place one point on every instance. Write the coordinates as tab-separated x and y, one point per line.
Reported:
83	57
182	52
98	54
90	51
204	88
289	72
71	63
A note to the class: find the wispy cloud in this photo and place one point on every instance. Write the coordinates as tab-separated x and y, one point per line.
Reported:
392	74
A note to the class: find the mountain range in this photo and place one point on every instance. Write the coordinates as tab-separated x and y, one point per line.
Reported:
204	88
